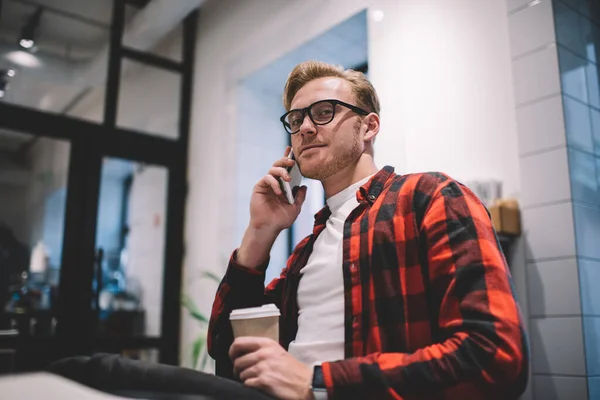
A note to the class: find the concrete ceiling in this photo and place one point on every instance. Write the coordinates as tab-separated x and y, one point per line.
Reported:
345	44
79	25
73	49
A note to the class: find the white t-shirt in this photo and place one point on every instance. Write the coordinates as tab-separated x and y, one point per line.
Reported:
320	335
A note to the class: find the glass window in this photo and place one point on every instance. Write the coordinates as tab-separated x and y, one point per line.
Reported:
170	45
130	246
33	187
156	92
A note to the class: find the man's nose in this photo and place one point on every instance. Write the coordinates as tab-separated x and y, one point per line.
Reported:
307	127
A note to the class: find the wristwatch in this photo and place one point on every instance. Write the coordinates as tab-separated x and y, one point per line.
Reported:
318	388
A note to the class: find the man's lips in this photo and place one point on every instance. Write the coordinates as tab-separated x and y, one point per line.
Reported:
310	146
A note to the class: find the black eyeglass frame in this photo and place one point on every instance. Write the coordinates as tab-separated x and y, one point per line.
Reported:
306	110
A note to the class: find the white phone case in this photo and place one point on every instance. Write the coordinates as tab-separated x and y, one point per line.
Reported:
288	187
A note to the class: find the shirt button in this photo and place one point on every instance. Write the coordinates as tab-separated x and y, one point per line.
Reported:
354	321
352	267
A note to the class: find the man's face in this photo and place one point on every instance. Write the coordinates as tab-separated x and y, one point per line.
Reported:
323	150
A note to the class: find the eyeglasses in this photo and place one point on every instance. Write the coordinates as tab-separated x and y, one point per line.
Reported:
320	113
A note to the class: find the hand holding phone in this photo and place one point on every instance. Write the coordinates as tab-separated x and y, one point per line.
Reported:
291	188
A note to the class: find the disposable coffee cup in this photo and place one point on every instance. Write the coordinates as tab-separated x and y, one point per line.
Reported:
256	321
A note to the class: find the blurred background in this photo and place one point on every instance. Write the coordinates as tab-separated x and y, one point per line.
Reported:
132	132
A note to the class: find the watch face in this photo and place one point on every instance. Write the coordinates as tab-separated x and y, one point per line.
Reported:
318	381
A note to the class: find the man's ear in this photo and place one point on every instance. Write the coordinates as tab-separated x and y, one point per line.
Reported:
371	122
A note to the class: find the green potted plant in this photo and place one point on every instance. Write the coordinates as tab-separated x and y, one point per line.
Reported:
200	358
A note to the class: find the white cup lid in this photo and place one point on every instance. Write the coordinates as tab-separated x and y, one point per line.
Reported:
268	310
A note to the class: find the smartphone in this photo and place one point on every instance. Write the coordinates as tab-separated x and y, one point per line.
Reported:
291	188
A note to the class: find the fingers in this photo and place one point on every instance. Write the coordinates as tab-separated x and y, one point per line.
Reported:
280	172
248	344
284	162
244	365
255	383
269	181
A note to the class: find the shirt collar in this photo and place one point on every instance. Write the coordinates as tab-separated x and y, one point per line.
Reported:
367	193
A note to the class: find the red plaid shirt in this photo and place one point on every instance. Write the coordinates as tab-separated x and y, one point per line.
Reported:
430	309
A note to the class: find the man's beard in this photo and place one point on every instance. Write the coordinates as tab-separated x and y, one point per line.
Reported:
339	162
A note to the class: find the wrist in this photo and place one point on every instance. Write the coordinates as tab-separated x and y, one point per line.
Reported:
256	246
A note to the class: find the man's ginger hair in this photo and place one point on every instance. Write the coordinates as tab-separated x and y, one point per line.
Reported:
363	91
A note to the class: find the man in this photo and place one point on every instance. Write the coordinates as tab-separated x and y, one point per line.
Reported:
401	291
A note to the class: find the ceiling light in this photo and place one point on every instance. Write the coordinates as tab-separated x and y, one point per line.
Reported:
28	33
1	93
26	43
11	73
377	15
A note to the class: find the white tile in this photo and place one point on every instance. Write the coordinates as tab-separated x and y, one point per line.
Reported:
578	124
572	74
514	4
536	75
553	288
557	346
568	28
591	327
545	177
589	276
584	183
548	387
587	230
596	130
550	231
531	28
541	125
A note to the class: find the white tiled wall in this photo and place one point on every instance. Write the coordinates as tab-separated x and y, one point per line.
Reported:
541	125
557	346
531	28
552	387
549	231
552	114
536	75
545	178
514	4
553	288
